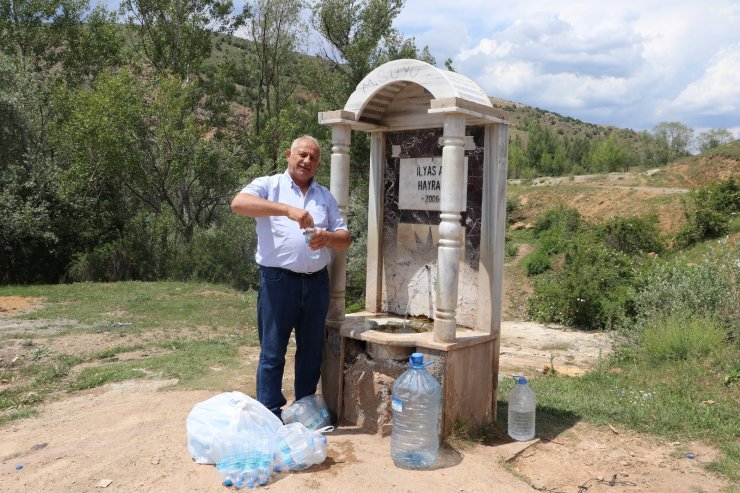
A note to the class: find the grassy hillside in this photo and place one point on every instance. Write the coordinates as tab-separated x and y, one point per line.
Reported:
600	197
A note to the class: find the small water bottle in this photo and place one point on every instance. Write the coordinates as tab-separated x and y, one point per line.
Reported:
416	403
230	458
313	255
522	407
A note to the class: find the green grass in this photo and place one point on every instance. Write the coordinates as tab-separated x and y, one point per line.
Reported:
144	305
191	332
678	400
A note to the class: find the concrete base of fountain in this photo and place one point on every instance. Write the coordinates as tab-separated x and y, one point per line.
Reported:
366	353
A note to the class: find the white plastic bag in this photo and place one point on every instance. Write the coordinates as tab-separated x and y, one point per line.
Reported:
310	410
223	414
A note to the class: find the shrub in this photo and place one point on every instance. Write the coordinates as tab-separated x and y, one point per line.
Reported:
537	263
511	249
593	289
222	254
564	220
707	288
633	235
679	336
708	212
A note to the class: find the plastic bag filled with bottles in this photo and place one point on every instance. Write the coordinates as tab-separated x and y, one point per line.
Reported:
222	415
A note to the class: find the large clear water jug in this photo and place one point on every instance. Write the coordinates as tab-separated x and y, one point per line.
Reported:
416	403
522	407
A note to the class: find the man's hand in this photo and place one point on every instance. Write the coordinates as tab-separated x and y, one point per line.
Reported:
301	216
249	205
338	240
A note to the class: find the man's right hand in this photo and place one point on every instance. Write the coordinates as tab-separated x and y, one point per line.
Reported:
249	205
301	216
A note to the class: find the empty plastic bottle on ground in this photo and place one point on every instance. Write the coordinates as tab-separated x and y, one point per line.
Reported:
416	403
522	409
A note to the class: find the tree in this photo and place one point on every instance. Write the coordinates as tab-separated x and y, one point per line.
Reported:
673	140
271	72
517	159
132	144
714	138
608	156
360	37
540	147
96	46
35	31
176	34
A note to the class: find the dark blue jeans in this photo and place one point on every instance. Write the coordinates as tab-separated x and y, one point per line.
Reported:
288	301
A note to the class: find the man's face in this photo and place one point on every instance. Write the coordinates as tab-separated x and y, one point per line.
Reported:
303	162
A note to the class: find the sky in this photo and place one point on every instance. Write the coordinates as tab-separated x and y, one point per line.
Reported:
627	63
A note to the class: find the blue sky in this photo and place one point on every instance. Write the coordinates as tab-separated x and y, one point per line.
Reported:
628	63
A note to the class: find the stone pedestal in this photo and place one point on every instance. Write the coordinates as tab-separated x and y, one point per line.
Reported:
363	388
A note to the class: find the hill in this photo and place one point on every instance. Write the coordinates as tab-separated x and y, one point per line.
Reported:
637	193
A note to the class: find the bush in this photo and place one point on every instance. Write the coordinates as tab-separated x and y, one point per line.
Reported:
593	289
560	219
706	288
709	212
537	263
221	254
633	235
679	336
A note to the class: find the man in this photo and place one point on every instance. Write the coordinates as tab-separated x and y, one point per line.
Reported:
294	288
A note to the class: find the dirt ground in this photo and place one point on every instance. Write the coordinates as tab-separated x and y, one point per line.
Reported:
131	437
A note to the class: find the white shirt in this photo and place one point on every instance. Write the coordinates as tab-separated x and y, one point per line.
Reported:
280	242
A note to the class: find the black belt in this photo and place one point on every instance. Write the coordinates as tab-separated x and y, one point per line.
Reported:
294	273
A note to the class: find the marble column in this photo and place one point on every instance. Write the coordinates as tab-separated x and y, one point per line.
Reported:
341	136
373	289
450	228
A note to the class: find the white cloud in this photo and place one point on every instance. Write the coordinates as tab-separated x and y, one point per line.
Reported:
629	63
718	88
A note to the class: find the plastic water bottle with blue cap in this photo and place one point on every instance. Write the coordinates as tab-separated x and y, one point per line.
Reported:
522	409
416	403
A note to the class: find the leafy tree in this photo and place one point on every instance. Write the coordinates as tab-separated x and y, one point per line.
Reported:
673	140
96	46
714	138
540	147
20	126
132	143
176	35
517	158
360	37
609	155
275	29
35	31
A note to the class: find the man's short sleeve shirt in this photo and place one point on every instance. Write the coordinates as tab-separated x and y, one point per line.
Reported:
280	242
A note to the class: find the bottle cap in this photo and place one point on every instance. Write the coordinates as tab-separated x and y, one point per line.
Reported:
416	359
